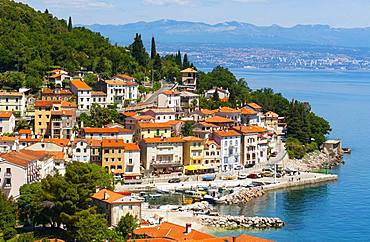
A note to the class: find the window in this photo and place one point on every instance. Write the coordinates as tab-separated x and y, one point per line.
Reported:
8	170
119	167
130	161
119	158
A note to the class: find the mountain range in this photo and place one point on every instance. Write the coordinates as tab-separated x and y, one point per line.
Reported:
172	31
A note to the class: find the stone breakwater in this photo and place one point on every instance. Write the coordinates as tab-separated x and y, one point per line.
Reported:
241	222
242	196
315	160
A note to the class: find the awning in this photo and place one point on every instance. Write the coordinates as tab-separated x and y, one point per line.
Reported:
196	167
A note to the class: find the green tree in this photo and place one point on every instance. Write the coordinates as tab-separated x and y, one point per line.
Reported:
127	225
7	216
178	59
187	129
91	80
138	51
90	226
185	63
99	116
157	62
70	26
153	52
22	124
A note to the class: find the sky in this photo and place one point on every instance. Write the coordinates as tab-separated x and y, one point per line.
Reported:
336	13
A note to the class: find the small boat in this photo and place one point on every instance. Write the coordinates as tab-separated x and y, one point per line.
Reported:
346	150
209	198
162	190
138	198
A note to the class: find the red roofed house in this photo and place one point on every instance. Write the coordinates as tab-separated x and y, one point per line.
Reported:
161	115
108	133
230	142
118	90
223	94
7	122
57	77
23	167
56	94
254	144
14	101
229	113
169	99
162	154
83	93
115	205
189	79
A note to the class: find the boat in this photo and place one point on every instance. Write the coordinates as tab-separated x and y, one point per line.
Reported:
346	150
162	190
138	198
156	195
209	199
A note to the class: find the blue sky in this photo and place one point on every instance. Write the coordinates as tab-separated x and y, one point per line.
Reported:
337	13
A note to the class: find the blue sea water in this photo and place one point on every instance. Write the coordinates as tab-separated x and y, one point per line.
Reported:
338	211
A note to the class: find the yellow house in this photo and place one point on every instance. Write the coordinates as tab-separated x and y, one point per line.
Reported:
43	110
153	130
112	155
193	151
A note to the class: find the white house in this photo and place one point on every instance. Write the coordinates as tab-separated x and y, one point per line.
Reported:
81	150
230	142
223	94
161	115
100	98
14	101
83	93
230	113
169	99
132	162
189	79
119	91
23	167
7	122
8	144
254	144
108	133
162	154
212	154
58	76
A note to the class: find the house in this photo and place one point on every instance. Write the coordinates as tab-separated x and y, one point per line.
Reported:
212	154
162	154
108	133
83	93
23	167
112	155
25	133
25	142
124	77
271	120
81	150
220	121
254	144
7	122
202	114
152	130
132	162
169	99
118	91
189	79
115	205
223	94
100	98
95	151
189	101
249	117
56	94
8	144
131	122
230	142
229	113
54	118
193	150
161	115
14	101
57	77
255	107
204	130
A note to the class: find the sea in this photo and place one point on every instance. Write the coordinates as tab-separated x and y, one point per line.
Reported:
336	211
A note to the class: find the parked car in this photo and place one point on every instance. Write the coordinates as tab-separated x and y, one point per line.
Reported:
174	180
267	170
242	177
208	178
228	178
248	165
237	168
254	175
267	174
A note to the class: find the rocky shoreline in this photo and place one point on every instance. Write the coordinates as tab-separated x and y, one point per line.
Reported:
313	161
232	222
242	196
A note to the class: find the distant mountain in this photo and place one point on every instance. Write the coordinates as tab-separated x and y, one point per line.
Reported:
171	31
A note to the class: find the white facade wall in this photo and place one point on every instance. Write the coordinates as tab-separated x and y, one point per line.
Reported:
16	178
162	153
168	101
131	162
7	125
230	151
81	152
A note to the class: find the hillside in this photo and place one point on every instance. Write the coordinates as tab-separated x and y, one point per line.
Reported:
32	42
171	31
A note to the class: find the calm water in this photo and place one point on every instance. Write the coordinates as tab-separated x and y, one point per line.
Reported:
338	211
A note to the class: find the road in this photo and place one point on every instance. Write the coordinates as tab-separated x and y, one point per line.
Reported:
153	97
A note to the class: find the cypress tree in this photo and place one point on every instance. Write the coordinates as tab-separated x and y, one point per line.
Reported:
46	11
185	63
153	52
70	26
138	51
157	62
178	59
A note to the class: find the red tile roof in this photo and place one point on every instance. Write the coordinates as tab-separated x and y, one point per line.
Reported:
248	111
80	85
218	119
163	140
24	157
106	130
111	197
131	147
66	113
187	70
98	93
5	114
226	133
60	142
44	103
25	131
228	110
154	125
254	105
250	129
112	143
125	77
129	114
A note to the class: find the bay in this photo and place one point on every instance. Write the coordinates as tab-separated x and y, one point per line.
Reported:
338	211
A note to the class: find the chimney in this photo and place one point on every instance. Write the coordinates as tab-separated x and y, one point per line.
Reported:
234	239
106	196
97	189
187	228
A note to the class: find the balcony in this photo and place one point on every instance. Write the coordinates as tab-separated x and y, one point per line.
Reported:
8	175
7	186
